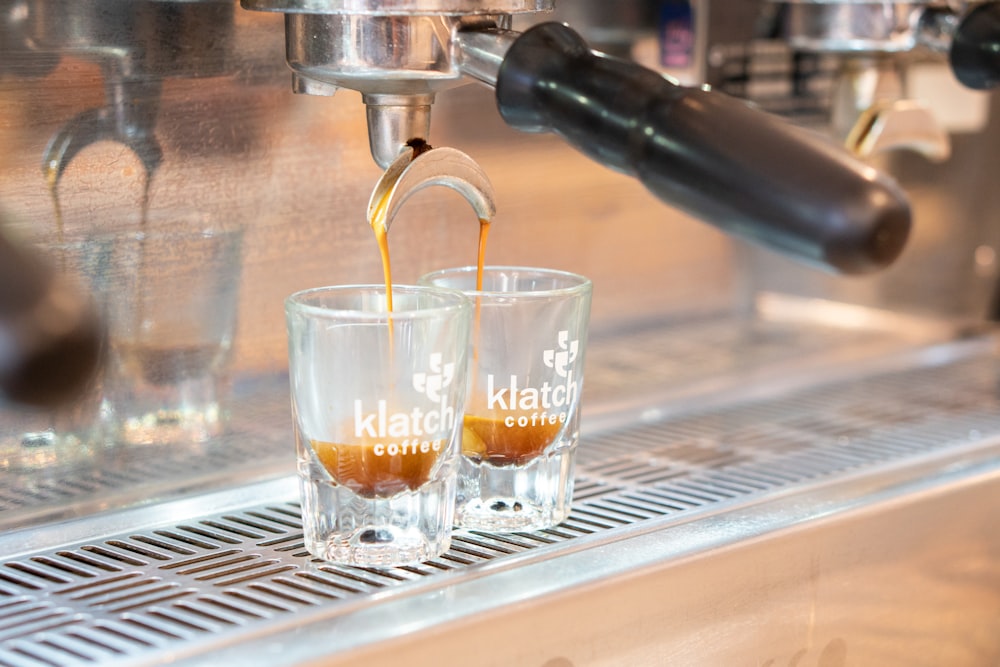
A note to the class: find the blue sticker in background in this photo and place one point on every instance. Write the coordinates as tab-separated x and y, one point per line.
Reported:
676	31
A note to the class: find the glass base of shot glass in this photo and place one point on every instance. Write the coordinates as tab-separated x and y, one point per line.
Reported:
166	426
185	412
70	435
47	447
406	528
504	499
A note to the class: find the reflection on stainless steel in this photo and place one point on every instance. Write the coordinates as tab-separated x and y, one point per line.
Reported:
137	43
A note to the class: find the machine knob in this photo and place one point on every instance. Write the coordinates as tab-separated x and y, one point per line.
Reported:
975	51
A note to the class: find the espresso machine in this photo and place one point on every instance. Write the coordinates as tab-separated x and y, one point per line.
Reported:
791	428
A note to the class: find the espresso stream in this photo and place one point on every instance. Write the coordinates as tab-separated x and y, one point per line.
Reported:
484	438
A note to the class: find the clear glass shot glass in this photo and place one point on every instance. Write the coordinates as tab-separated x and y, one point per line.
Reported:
172	302
522	412
377	403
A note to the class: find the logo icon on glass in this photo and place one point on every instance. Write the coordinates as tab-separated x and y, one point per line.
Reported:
560	359
431	385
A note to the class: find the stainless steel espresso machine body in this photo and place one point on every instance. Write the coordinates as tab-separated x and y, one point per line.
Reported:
780	464
831	212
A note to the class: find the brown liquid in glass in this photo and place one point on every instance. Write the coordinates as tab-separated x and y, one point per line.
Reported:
490	440
370	475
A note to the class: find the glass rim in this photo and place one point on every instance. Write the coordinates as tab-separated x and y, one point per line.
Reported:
578	283
452	300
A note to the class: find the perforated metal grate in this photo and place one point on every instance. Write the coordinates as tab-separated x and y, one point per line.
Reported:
129	596
41	483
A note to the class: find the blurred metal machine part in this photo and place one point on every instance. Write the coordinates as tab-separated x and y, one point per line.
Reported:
871	112
975	50
51	339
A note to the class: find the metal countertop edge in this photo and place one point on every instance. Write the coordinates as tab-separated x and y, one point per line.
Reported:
479	591
20	542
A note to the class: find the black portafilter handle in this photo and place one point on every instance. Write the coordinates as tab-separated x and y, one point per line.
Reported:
745	171
975	48
51	338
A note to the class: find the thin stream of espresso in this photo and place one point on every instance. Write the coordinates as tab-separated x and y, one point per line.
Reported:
52	179
381	231
484	232
379	227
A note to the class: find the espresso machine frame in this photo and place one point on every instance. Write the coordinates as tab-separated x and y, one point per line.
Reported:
778	465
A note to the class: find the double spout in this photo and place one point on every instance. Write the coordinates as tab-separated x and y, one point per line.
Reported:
418	167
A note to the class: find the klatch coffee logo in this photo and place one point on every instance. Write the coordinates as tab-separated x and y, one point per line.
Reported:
431	384
560	359
545	404
416	431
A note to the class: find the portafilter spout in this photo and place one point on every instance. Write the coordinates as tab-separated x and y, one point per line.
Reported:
417	168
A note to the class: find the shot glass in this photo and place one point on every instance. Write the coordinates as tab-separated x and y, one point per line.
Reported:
377	406
172	310
522	412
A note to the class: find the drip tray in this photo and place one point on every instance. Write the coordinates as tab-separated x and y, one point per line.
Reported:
223	576
639	374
